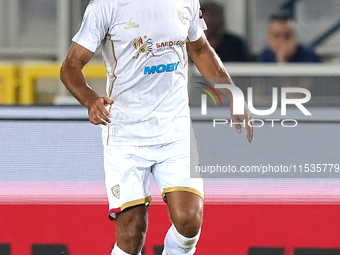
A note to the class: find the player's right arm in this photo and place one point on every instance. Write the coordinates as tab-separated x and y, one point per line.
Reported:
72	76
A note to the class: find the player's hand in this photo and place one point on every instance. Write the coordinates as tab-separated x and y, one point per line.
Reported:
247	118
97	111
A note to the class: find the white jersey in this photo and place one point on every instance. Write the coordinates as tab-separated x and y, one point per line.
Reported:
144	51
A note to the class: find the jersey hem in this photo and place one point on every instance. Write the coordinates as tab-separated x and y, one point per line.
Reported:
85	44
199	35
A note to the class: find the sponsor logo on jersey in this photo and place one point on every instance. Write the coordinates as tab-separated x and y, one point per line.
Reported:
131	25
143	46
161	68
116	191
169	44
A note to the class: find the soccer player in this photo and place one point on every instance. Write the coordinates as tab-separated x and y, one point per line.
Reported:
145	116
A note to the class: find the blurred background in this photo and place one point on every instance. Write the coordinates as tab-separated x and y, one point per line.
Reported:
51	169
41	31
35	30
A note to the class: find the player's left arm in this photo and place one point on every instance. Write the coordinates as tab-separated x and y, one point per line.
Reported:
212	68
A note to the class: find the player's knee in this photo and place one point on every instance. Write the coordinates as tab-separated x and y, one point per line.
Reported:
188	223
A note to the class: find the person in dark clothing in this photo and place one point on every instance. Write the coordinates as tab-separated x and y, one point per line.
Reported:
283	45
229	47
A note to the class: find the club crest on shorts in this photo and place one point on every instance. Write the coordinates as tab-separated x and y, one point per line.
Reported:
116	191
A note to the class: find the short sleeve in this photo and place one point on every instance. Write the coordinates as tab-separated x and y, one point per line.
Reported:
95	24
197	25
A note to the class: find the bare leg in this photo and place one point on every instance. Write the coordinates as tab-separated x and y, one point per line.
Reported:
186	212
131	225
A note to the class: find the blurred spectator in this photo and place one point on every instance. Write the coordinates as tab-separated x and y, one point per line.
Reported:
228	46
283	45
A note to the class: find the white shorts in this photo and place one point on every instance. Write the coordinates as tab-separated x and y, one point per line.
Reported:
128	170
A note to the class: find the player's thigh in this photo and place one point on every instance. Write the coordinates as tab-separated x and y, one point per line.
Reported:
131	223
182	192
173	172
